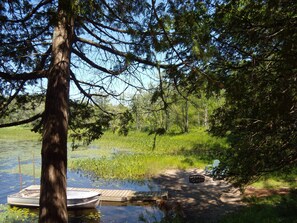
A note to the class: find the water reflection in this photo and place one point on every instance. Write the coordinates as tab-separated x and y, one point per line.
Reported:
86	215
130	214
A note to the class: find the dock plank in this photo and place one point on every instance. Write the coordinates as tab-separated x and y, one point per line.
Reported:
111	195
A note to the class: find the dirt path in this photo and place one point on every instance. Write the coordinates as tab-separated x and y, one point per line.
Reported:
200	202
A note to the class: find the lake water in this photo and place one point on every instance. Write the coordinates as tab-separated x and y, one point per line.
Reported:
28	153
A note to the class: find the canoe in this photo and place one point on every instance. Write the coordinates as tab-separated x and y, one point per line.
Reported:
75	198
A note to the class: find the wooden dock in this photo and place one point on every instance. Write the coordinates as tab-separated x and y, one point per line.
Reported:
110	195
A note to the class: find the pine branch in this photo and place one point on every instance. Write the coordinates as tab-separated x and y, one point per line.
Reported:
26	121
29	15
23	76
125	55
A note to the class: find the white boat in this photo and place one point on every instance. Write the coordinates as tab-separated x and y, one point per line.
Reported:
29	197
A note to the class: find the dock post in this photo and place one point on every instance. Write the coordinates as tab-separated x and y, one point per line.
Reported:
20	173
33	162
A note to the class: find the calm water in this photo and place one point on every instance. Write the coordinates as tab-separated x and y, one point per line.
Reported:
29	154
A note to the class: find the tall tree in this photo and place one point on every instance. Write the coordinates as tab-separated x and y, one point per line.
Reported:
90	43
257	54
55	120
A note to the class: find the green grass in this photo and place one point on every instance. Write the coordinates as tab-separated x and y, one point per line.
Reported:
18	133
274	183
121	157
135	158
276	208
141	141
134	166
278	180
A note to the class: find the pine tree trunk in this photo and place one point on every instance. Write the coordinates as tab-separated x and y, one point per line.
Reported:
53	200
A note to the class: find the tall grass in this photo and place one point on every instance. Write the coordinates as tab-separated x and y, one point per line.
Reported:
140	141
135	158
133	166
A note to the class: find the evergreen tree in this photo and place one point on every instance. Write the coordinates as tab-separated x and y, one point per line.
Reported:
256	62
61	44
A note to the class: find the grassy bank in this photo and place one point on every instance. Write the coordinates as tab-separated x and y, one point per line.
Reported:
18	133
196	143
196	139
134	166
136	159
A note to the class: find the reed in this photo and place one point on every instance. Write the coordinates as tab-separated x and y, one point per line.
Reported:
133	158
133	166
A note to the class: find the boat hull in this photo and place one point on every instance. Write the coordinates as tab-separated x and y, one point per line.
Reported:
75	199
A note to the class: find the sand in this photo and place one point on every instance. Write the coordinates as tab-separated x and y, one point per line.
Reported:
200	202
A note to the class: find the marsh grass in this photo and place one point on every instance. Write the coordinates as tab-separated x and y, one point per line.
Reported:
30	215
276	208
133	166
135	159
173	143
18	133
14	214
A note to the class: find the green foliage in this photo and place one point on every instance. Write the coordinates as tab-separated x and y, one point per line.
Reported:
190	21
139	166
256	43
86	123
125	119
196	139
15	215
276	208
22	107
173	111
133	158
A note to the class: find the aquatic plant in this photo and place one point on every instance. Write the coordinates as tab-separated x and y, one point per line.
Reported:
15	215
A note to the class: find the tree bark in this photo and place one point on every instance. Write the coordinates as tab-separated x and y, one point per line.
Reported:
53	198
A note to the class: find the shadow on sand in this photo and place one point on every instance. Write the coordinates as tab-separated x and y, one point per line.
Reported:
200	202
